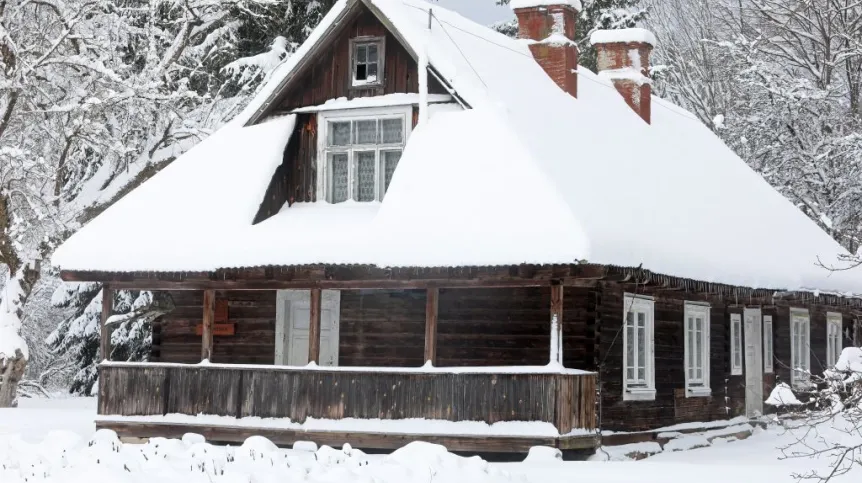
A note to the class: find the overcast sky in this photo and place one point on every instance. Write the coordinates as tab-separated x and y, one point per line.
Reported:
482	11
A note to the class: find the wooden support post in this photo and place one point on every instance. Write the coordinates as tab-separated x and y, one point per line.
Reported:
105	332
314	327
432	294
208	323
556	323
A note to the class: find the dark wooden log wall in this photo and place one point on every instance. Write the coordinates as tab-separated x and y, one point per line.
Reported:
253	312
330	76
671	406
564	400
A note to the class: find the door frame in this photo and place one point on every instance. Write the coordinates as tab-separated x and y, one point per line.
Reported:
753	361
330	299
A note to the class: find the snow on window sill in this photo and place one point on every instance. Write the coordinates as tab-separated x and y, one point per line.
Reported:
698	392
639	394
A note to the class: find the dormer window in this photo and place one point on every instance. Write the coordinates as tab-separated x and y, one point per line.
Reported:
360	151
367	61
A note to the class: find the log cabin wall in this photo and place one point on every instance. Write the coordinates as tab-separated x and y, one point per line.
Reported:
671	405
382	328
175	338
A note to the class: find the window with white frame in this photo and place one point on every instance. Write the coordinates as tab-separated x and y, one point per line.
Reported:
638	356
360	153
736	344
696	349
800	362
833	338
366	55
768	355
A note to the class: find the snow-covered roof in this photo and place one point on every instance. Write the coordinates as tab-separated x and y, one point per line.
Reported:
529	175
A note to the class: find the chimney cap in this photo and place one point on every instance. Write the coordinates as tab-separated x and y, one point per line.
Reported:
623	36
518	4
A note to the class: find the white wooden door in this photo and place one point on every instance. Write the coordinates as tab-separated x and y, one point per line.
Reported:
291	330
753	322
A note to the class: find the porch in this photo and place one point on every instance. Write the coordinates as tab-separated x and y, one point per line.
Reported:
503	409
476	365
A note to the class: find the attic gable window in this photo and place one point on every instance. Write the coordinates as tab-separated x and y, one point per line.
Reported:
360	153
367	61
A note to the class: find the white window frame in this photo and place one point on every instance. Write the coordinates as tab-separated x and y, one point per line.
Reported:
696	387
736	344
768	349
645	390
800	347
355	43
324	192
834	334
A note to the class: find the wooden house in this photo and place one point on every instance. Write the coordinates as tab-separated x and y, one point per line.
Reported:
423	229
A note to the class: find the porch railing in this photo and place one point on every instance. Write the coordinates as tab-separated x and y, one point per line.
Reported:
564	399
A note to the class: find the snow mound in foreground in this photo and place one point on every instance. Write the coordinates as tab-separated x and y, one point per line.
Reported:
782	395
61	458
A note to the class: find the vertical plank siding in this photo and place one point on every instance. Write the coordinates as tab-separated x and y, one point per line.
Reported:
330	76
560	399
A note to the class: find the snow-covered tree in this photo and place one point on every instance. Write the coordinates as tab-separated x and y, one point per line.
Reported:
217	65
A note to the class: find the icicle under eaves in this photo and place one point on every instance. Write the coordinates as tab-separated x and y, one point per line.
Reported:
423	75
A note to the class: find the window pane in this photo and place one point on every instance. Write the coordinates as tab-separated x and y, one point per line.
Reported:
392	131
339	133
365	132
365	176
641	375
630	345
361	54
642	348
390	162
372	72
338	176
698	352
630	373
361	72
372	53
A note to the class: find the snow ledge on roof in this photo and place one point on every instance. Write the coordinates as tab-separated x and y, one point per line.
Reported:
623	36
515	4
628	73
388	100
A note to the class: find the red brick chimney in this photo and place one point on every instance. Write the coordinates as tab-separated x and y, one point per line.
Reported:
623	57
551	26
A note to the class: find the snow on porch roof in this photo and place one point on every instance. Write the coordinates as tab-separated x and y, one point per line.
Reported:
587	178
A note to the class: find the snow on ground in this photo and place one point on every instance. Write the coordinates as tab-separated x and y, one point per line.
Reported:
53	441
35	418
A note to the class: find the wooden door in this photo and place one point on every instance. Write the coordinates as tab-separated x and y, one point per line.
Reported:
292	320
753	322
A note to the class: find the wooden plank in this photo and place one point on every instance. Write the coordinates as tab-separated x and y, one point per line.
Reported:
432	296
104	330
219	330
556	356
369	440
208	321
314	326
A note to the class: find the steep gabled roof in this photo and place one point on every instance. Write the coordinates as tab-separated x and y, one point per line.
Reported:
530	174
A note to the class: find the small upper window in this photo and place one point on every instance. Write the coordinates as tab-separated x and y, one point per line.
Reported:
800	359
638	374
833	338
367	54
735	344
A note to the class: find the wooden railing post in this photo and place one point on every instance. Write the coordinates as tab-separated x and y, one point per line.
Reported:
314	327
207	325
431	297
104	330
556	323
